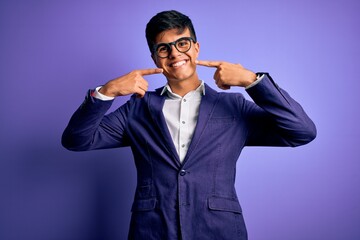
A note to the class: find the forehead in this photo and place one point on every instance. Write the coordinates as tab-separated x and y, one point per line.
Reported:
171	35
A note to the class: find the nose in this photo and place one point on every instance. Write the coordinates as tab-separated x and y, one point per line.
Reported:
173	51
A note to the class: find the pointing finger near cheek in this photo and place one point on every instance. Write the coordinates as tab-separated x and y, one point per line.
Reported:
208	63
150	71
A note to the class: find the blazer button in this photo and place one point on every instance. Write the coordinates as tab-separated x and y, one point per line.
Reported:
182	172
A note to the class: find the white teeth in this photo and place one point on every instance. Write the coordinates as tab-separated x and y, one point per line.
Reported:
178	64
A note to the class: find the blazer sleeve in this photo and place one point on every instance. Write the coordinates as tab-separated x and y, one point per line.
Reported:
89	128
276	119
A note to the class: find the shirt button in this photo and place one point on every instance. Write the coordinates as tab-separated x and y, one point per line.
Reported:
183	122
183	145
184	100
182	172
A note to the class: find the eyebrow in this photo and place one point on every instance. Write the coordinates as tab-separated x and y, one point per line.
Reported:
173	41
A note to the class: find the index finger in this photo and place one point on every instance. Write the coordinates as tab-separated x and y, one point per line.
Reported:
208	63
150	71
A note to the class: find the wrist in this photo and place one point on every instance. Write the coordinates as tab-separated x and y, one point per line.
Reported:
105	91
259	77
252	77
102	94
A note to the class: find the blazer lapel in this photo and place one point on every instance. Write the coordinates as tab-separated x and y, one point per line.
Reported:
207	105
155	104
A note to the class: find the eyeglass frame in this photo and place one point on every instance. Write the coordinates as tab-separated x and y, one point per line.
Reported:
168	45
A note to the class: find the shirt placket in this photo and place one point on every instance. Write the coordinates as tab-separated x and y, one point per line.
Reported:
184	118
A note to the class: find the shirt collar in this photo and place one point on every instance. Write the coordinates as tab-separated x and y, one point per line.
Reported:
200	90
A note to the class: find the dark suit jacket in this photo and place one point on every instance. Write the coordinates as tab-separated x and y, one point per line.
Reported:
196	199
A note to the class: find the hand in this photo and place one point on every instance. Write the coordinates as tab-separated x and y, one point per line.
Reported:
130	83
229	74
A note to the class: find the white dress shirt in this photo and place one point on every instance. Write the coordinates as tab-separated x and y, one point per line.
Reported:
181	114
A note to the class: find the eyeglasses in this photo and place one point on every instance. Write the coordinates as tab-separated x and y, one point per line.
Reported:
163	50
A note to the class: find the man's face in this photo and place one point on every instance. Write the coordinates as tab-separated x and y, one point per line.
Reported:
177	66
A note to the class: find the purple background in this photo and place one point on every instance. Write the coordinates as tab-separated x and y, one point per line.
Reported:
51	52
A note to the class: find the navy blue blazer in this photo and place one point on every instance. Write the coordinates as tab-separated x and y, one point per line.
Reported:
196	199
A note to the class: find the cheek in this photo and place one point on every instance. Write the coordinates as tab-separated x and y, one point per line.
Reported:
157	61
194	55
193	58
161	61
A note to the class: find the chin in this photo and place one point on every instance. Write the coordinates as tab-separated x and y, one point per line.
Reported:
180	76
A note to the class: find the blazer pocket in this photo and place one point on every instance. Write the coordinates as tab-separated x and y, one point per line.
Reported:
142	205
224	204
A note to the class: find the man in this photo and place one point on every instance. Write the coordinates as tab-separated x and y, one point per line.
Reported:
185	136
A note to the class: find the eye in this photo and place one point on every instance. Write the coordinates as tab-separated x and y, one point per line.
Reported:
183	43
162	49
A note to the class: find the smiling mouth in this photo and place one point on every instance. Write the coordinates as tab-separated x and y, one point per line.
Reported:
178	64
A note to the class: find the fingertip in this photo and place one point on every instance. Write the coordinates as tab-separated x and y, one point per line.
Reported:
200	62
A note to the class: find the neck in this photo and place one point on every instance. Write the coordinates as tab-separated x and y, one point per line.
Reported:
182	87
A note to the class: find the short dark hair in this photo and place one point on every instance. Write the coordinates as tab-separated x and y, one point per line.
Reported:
167	20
